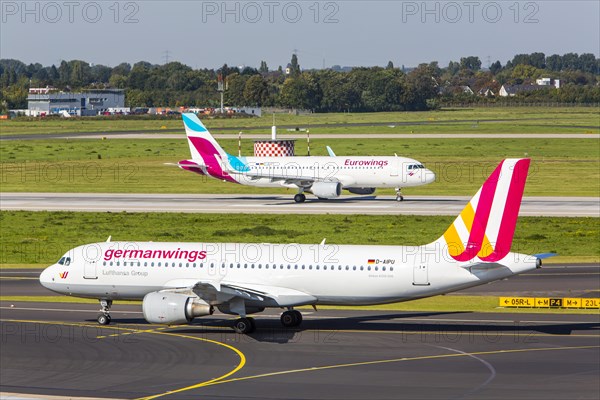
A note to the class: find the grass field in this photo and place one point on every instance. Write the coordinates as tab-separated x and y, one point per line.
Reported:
137	166
517	120
42	237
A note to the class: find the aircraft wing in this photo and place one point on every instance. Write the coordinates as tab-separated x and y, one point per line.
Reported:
304	181
215	293
190	166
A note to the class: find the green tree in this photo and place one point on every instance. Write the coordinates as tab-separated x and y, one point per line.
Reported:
138	76
256	91
554	62
294	66
301	92
100	73
234	95
522	73
117	81
77	76
496	67
263	67
64	73
471	63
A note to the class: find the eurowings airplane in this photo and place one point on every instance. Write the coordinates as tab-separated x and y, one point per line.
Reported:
325	177
180	281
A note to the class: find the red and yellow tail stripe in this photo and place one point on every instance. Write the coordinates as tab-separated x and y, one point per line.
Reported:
486	226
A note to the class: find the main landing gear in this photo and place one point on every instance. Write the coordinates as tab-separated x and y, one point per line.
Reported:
244	325
289	319
104	317
399	196
300	198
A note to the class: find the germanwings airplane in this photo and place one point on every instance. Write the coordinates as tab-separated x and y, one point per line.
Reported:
180	281
325	177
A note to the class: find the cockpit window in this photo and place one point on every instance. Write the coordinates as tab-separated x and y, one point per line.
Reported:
416	166
65	261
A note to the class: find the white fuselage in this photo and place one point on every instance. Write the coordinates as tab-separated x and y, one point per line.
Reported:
342	275
352	172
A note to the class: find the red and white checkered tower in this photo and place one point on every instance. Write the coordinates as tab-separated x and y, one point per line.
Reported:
274	147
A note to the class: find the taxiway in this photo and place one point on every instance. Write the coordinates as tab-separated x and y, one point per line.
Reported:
283	204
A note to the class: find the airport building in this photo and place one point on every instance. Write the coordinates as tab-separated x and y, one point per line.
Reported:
45	101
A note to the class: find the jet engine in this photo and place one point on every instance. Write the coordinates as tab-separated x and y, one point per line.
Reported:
173	308
361	190
326	190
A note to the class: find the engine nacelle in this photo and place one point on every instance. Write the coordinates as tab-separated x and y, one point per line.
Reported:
173	308
326	190
361	190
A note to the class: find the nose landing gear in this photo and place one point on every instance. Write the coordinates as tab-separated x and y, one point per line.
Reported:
399	196
104	317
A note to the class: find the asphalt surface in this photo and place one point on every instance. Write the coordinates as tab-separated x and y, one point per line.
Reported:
58	349
284	204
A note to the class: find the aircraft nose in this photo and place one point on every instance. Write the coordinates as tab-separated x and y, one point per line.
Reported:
428	175
46	278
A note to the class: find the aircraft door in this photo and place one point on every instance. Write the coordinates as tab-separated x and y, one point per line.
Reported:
90	269
91	256
421	270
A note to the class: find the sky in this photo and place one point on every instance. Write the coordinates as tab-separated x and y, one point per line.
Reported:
207	34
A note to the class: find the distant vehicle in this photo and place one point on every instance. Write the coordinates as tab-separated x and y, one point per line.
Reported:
181	281
325	177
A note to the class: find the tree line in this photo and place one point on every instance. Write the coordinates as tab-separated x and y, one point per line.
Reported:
327	90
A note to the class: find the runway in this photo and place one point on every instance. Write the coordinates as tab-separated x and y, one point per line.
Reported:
283	204
59	350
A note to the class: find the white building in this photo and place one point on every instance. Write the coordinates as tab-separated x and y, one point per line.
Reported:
548	82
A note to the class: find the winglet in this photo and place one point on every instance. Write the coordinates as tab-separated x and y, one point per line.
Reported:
331	153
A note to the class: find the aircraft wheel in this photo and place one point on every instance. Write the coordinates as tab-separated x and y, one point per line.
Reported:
399	198
300	198
252	324
298	317
103	319
291	318
242	326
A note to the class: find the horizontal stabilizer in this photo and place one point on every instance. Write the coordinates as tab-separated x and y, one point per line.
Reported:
542	256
